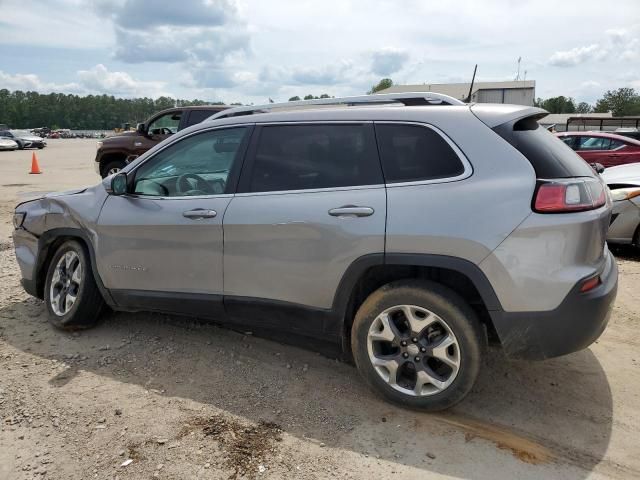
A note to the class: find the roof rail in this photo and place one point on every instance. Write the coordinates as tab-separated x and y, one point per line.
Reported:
406	98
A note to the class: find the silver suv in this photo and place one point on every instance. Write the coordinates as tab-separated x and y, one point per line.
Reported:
412	230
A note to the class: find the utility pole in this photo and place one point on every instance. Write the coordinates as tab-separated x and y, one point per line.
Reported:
518	75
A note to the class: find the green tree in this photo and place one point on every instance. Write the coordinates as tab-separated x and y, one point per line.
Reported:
559	104
583	107
382	84
623	101
294	99
309	97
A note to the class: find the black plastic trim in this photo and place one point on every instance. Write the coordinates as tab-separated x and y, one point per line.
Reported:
460	265
574	325
201	305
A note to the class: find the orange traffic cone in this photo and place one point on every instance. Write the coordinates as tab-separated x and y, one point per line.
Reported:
35	168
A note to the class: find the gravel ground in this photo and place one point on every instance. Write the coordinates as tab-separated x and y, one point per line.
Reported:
154	396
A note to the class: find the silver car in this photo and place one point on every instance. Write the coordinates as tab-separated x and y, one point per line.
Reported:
7	144
624	183
411	230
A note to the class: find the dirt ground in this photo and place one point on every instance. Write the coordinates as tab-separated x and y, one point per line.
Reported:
153	396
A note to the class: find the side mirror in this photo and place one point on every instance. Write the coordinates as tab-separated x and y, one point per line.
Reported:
116	184
141	128
598	167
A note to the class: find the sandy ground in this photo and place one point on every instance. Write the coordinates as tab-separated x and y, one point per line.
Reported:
152	396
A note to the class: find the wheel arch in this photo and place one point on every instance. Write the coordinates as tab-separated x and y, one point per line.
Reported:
49	242
368	273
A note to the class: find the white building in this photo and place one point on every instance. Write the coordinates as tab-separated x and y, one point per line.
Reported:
520	92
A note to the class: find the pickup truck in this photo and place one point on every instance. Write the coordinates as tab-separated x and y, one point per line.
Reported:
115	152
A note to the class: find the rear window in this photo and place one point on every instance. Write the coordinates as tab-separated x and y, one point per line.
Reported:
549	156
197	116
412	153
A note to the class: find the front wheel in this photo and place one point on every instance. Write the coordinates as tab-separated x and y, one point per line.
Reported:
71	295
418	344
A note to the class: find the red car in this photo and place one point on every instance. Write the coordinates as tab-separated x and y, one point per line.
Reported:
604	148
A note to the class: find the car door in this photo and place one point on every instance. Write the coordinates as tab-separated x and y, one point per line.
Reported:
593	149
162	242
311	201
621	153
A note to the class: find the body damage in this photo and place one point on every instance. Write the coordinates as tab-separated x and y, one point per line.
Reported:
74	212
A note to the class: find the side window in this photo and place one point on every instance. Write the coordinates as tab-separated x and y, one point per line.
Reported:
593	143
196	165
411	153
616	144
301	157
166	124
197	116
570	141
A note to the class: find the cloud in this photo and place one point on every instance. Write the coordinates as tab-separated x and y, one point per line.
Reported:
96	80
577	56
31	82
388	60
100	79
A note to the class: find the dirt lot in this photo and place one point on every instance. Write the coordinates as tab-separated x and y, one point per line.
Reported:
152	396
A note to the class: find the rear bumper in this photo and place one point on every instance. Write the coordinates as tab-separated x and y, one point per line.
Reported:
574	325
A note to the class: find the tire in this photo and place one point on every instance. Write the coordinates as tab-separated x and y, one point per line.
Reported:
112	165
85	311
449	330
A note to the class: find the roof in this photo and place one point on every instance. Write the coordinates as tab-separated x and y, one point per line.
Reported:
459	90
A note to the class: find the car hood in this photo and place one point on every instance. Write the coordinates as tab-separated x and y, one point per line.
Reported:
626	174
31	196
7	141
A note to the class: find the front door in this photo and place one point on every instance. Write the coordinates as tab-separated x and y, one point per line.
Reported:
164	239
311	201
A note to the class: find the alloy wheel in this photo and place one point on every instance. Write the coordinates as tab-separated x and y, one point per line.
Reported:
413	350
65	283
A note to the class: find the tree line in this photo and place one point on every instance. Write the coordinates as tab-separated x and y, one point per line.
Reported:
92	112
104	112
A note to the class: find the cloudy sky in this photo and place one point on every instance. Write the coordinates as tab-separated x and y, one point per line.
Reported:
250	50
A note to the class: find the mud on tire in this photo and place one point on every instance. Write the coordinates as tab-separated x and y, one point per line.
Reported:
418	344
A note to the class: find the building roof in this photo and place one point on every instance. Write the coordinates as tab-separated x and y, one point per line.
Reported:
459	90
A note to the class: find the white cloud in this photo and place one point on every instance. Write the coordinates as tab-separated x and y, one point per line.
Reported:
576	56
388	60
31	82
96	80
99	79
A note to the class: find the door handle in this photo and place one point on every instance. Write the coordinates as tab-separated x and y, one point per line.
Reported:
198	213
351	211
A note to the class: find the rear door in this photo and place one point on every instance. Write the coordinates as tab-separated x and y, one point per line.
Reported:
164	239
311	201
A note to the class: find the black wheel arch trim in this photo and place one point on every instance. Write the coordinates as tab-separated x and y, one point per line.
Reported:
359	267
44	243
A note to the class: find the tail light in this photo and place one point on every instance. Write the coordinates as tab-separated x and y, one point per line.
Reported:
569	195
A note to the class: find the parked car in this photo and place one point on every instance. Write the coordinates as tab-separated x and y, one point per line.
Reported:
386	230
7	144
628	132
607	149
24	138
116	151
624	183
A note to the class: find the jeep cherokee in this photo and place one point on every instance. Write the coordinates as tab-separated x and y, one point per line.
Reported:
412	230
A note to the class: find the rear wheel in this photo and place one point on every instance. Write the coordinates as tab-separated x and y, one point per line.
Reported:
71	295
418	344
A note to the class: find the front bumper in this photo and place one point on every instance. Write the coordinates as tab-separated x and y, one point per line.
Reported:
574	325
